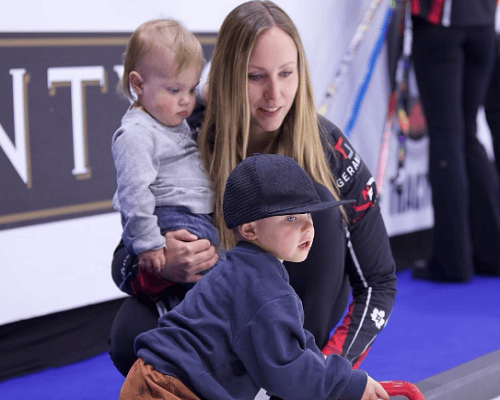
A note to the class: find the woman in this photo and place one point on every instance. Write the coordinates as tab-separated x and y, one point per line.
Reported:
260	99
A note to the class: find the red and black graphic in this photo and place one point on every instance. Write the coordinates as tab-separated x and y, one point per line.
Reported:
368	196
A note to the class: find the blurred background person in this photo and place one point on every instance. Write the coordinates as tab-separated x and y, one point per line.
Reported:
453	55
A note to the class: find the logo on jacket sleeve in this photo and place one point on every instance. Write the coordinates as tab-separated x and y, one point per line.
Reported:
344	149
350	164
368	194
378	317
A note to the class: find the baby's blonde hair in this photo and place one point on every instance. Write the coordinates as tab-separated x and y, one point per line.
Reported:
166	34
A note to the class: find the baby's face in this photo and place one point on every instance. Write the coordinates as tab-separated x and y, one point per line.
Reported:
288	237
168	96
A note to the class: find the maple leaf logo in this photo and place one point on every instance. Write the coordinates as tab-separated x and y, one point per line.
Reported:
378	316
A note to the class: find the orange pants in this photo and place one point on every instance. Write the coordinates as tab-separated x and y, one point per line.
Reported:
145	383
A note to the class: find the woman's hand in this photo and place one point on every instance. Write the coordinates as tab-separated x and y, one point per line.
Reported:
186	256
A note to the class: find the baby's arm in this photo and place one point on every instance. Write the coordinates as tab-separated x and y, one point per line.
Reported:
136	163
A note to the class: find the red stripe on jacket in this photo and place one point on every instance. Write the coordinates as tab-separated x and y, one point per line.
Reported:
415	7
336	343
436	11
434	14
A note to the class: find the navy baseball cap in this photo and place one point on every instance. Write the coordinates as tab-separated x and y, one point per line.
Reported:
268	185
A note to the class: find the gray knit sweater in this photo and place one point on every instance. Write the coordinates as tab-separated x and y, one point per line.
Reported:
156	165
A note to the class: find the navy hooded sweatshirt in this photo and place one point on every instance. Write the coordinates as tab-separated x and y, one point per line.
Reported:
240	329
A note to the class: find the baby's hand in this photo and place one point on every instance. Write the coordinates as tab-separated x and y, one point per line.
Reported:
374	391
152	260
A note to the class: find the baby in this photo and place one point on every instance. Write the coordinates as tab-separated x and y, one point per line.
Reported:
161	182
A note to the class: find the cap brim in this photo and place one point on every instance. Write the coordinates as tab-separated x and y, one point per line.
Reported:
311	208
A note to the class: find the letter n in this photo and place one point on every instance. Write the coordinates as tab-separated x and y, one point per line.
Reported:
18	153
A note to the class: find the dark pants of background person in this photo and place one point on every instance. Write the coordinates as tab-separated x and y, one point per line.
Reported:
452	67
324	305
492	105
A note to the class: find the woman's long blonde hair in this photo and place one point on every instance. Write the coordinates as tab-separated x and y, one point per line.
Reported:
223	138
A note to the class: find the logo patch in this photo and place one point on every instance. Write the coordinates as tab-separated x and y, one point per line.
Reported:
378	316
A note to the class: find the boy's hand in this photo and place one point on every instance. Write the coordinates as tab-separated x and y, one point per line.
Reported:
152	260
374	391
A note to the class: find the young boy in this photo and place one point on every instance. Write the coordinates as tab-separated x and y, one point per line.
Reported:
240	328
162	184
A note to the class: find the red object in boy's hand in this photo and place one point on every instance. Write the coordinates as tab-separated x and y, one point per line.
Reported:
401	388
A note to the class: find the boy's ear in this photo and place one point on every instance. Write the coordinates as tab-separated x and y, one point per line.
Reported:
135	80
248	231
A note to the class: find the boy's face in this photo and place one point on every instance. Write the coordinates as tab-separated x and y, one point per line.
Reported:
167	95
288	237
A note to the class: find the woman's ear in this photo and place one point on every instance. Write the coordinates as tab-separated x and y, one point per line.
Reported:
135	80
247	231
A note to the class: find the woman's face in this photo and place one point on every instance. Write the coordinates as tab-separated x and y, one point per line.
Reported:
272	80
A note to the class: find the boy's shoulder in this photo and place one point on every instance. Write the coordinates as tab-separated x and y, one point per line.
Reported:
247	265
248	253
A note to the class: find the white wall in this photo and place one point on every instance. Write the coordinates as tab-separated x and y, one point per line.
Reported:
57	266
109	15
